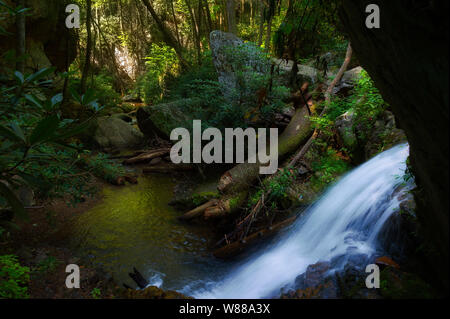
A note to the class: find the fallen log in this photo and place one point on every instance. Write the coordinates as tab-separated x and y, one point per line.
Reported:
237	247
255	210
168	168
328	94
145	157
226	206
244	175
196	212
234	184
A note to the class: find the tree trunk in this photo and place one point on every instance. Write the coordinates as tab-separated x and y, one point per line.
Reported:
208	16
168	37
20	39
177	32
231	15
87	62
261	26
328	93
241	176
269	34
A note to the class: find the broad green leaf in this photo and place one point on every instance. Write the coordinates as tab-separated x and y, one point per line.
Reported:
75	95
9	134
23	10
44	130
18	131
19	77
40	74
12	200
57	99
11	10
14	133
34	100
88	97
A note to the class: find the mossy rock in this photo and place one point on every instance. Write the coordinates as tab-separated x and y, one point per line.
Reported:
111	134
204	193
161	119
195	196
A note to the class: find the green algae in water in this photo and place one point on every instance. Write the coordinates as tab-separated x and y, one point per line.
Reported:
135	227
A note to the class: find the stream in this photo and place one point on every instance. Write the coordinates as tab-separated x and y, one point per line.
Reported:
135	227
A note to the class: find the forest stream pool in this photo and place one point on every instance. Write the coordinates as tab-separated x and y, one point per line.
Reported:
134	226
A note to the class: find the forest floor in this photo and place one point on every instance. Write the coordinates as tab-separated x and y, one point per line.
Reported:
42	245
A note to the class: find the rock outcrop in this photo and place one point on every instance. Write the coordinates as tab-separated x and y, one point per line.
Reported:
225	48
408	60
112	134
161	119
305	72
228	52
363	143
48	41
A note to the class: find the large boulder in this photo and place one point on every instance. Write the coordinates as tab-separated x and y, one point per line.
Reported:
226	49
306	73
161	119
48	41
363	142
348	81
352	76
112	133
220	41
384	135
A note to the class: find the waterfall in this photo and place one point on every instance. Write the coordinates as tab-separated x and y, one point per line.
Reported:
345	221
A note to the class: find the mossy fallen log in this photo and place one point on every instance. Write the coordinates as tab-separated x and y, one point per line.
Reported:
226	205
168	168
244	175
148	156
198	211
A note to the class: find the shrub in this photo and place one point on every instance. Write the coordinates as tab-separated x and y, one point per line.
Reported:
278	186
103	86
161	65
34	148
327	168
238	107
367	103
14	278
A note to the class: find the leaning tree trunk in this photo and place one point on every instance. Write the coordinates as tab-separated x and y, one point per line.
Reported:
20	38
168	36
87	62
231	15
269	34
234	184
261	26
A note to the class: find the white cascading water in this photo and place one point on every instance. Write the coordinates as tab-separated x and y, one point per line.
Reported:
346	220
